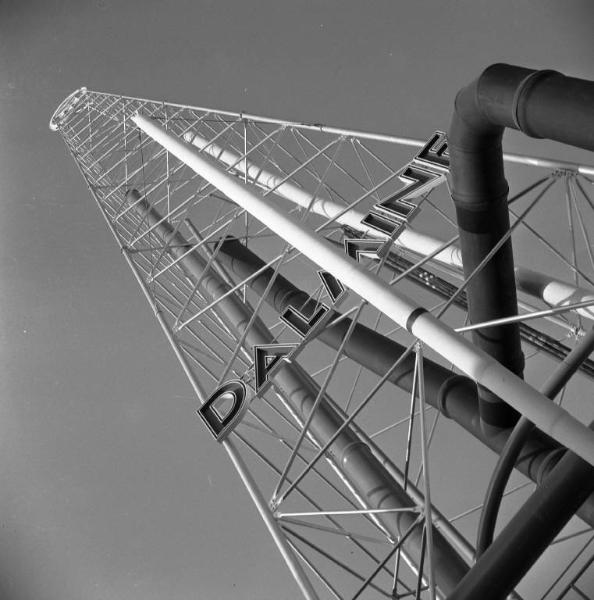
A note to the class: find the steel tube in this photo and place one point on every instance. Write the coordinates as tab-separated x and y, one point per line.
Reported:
354	458
479	191
484	369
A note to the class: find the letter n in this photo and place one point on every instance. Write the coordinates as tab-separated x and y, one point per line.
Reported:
221	424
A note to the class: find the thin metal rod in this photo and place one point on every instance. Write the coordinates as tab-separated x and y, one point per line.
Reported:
583	229
341	532
316	571
426	478
366	511
540	162
573	561
525	317
229	292
387	558
273	527
478	507
333	559
409	434
318	400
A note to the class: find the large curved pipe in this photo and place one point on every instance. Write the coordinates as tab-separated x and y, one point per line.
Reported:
541	104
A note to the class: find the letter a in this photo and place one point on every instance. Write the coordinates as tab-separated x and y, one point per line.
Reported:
266	358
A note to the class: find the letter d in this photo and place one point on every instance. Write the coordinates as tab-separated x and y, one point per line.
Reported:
221	425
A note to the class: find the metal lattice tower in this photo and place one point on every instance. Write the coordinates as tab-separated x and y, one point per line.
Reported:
257	246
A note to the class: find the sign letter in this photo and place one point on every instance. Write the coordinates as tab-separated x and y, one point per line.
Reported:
356	248
221	425
333	286
299	322
434	154
267	357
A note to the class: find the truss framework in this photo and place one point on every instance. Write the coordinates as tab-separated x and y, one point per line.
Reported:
174	230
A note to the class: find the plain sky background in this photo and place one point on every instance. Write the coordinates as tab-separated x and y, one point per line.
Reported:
110	487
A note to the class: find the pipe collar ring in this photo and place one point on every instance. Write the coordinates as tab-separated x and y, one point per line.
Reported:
446	386
519	94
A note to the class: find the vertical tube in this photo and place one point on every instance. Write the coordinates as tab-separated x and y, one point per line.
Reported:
479	191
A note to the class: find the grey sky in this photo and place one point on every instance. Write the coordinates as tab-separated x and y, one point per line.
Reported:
111	487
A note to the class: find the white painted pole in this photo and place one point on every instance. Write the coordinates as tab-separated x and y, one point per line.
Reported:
550	418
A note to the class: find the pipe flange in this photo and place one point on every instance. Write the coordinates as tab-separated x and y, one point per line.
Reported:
521	91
